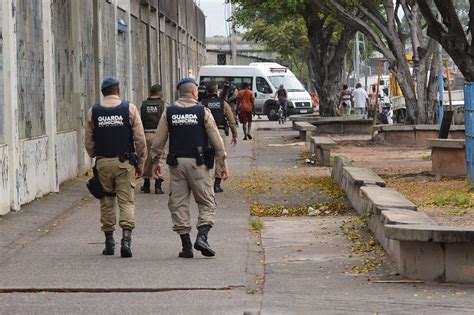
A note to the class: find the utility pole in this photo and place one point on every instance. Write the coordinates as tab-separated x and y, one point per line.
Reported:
233	36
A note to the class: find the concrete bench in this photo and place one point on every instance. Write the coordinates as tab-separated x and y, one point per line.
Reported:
434	252
413	135
448	157
422	249
374	199
353	178
306	130
337	171
321	147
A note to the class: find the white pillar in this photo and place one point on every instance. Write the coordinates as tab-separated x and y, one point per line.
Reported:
10	79
50	95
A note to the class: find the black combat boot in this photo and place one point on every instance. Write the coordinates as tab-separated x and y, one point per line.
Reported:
125	250
187	251
217	185
109	243
201	241
158	189
146	186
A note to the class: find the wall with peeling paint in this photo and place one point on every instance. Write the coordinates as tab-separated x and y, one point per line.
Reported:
4	182
33	170
30	58
66	150
2	102
58	52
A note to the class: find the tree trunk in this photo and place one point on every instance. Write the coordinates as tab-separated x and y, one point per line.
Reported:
326	56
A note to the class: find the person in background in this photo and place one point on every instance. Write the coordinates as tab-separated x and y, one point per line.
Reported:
315	100
361	100
231	99
246	109
225	120
345	101
151	110
282	96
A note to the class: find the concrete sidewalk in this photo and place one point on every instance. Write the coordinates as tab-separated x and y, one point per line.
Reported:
56	243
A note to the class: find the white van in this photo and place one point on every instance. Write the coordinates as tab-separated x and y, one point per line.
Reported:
264	78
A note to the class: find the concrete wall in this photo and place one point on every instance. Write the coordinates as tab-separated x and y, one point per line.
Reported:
53	56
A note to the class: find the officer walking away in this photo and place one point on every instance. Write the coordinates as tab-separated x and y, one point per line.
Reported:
151	111
191	130
246	109
224	118
231	99
114	131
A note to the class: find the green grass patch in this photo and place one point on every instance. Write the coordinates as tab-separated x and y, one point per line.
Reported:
454	199
426	157
455	212
256	225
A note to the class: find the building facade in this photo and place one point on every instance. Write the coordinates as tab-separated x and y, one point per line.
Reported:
53	56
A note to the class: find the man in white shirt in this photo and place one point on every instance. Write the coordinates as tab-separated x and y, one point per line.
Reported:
360	99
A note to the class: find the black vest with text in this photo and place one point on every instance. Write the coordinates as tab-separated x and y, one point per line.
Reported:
151	112
216	105
112	130
187	130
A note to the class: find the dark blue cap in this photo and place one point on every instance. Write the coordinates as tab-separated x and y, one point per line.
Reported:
186	80
108	82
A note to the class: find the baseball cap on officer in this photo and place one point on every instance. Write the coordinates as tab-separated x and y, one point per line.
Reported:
186	80
108	82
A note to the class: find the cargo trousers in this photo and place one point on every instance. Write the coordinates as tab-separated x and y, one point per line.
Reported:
186	178
118	177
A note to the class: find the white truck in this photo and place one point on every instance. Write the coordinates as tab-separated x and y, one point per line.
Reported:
264	78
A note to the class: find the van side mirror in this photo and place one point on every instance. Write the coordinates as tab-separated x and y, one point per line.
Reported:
255	94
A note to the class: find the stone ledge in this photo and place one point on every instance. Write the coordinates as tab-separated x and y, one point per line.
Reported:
421	249
362	176
401	216
375	199
430	233
302	125
324	142
337	170
447	143
397	127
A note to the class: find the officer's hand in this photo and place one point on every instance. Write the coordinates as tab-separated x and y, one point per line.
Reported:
233	141
225	174
156	172
138	172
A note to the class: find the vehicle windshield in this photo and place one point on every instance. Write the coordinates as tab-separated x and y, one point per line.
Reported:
290	83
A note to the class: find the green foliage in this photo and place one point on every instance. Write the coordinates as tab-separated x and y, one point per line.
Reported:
455	199
256	225
277	26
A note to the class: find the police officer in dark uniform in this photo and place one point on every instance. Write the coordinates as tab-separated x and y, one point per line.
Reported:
191	129
201	91
151	111
225	120
114	136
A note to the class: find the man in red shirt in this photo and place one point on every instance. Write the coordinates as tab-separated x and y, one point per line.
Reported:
246	109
